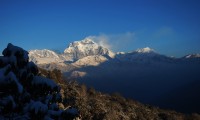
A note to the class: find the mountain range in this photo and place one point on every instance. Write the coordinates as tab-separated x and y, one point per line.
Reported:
143	74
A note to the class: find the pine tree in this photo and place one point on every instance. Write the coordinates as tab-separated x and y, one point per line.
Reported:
24	94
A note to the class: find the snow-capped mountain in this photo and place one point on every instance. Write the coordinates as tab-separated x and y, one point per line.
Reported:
88	53
145	50
192	56
86	47
143	55
84	52
44	56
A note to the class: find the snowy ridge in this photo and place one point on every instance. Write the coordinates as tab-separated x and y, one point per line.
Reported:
44	56
145	50
143	55
76	51
192	56
86	52
44	53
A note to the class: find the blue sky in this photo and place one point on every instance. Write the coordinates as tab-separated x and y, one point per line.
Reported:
170	27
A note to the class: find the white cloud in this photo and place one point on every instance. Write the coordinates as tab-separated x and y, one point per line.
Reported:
102	40
115	42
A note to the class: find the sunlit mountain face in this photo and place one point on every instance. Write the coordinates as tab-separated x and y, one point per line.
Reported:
143	74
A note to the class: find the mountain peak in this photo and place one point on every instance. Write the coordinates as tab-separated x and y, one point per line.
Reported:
83	45
192	56
86	47
145	50
88	41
